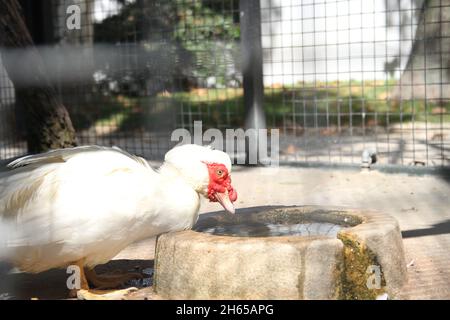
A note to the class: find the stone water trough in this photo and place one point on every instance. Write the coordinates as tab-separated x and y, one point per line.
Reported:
300	252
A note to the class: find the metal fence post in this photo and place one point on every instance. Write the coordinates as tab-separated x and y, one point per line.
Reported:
252	69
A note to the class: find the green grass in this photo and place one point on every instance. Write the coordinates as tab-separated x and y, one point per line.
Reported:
305	104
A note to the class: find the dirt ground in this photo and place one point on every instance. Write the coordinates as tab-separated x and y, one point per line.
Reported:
420	203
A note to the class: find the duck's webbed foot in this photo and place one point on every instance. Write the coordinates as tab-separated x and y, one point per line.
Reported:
111	281
93	294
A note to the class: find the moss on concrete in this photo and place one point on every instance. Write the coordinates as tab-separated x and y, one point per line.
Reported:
357	258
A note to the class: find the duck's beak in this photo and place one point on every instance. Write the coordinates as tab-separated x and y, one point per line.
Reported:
224	199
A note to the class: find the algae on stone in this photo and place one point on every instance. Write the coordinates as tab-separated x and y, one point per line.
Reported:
357	258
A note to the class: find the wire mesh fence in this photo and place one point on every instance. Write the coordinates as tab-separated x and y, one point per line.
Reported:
340	76
347	76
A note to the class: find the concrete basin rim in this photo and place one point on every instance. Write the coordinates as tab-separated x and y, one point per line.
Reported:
369	220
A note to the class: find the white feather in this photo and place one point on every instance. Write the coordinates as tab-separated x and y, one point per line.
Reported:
91	202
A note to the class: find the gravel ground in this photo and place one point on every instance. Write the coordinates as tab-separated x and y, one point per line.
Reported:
420	203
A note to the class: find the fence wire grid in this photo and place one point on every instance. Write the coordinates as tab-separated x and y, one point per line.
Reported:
340	77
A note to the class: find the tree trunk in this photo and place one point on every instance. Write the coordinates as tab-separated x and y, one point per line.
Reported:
47	121
427	73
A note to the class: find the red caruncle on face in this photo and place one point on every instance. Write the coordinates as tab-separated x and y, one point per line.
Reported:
219	182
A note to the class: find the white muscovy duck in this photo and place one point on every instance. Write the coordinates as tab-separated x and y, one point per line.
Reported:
83	205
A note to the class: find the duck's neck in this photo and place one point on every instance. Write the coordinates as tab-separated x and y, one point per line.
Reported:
176	208
169	171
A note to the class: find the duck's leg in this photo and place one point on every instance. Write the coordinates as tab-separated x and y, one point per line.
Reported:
85	293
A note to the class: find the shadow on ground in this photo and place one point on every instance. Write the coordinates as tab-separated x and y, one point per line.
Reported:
436	229
52	284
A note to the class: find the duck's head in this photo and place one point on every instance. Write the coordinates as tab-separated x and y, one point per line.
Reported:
206	170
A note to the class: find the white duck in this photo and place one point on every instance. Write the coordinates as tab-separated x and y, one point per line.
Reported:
81	206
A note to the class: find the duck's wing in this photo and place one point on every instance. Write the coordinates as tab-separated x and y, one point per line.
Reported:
33	181
63	155
53	205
